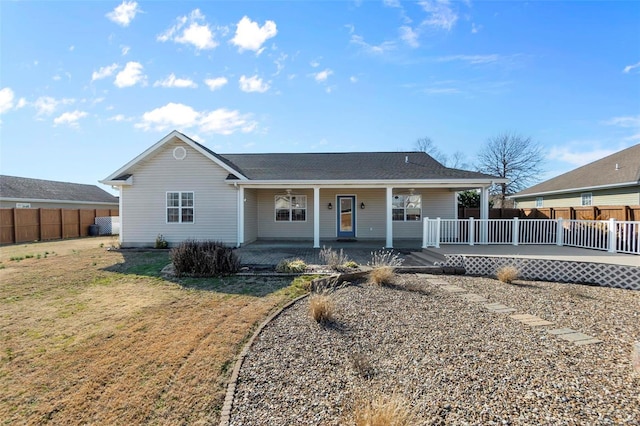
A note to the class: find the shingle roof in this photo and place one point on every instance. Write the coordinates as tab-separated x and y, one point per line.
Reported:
343	166
600	173
38	189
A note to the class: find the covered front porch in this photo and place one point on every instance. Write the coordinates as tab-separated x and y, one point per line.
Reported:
375	214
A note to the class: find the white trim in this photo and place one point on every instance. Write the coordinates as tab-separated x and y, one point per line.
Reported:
389	208
38	200
240	216
275	211
180	207
590	194
355	216
316	217
404	218
369	183
570	190
171	136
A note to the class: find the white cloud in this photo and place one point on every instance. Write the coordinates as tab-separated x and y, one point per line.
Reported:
370	48
576	158
353	79
221	121
322	76
314	63
215	83
70	118
475	28
251	36
391	3
253	84
104	72
197	34
72	48
6	99
46	105
409	36
172	81
124	14
118	118
439	14
471	59
628	121
280	63
130	75
629	68
125	50
22	102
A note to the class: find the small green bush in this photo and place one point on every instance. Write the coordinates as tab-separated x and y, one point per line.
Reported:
161	243
204	258
291	266
350	264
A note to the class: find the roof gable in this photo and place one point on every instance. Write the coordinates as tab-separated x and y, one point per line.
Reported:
12	187
619	169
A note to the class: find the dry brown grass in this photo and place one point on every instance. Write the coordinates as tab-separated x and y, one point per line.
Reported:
382	275
92	336
383	411
321	308
507	274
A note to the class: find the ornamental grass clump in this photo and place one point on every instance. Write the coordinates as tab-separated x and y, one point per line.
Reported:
321	308
383	411
204	258
383	263
334	259
295	266
382	275
507	274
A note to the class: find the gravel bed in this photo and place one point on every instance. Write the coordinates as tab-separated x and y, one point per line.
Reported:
449	359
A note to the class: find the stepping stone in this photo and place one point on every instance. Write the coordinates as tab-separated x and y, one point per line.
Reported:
472	297
437	282
574	337
524	316
559	331
587	342
499	308
538	323
453	289
531	320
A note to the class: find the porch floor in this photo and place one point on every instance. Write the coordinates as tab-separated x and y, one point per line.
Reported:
271	252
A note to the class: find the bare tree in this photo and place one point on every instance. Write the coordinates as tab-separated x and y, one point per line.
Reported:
512	156
456	161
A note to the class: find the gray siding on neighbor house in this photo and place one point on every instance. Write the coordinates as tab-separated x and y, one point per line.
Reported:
144	211
61	205
628	196
250	215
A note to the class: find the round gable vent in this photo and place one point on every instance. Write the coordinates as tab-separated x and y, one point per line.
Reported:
179	153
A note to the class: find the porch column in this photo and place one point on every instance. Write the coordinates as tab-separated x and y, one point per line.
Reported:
316	217
484	214
240	215
389	242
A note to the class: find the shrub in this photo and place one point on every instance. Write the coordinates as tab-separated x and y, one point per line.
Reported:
382	275
332	258
161	243
321	308
385	258
383	411
291	266
350	264
507	274
204	258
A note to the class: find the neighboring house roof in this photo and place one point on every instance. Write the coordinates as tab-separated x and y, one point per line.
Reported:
19	188
357	166
617	170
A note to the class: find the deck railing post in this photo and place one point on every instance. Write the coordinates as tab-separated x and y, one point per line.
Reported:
612	235
425	223
515	231
559	232
472	230
437	232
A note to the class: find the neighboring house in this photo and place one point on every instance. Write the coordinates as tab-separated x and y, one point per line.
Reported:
610	181
19	192
183	190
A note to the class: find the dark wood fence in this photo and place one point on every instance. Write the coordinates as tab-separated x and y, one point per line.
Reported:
23	225
624	213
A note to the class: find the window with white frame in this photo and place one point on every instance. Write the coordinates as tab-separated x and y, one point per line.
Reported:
586	199
539	202
291	208
180	207
407	207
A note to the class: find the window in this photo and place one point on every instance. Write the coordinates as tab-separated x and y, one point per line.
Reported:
180	207
585	199
539	202
291	208
407	207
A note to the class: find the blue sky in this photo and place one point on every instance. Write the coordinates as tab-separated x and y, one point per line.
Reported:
85	86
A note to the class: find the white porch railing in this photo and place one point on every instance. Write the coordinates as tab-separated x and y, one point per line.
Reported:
609	235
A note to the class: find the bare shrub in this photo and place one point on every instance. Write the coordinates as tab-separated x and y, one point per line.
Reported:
507	274
321	308
383	411
385	258
333	259
204	258
362	365
291	266
382	275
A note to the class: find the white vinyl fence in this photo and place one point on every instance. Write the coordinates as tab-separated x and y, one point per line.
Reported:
609	235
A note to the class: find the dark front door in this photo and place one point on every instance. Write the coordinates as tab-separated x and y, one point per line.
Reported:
346	216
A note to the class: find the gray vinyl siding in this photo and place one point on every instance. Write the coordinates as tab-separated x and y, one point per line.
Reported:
144	203
370	221
62	205
268	228
629	196
250	215
435	203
